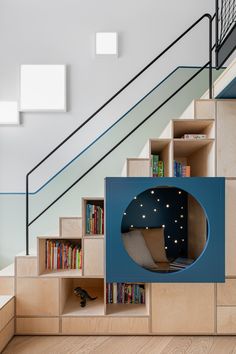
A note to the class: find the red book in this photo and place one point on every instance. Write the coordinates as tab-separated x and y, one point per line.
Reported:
58	256
95	219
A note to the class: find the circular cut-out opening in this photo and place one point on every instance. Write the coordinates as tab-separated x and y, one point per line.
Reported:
164	229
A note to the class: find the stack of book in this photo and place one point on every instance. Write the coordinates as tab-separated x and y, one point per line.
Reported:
181	170
157	166
180	263
62	254
94	220
122	293
194	136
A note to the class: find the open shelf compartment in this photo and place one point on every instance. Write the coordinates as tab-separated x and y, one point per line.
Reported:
70	303
129	309
44	270
87	229
193	126
162	148
198	154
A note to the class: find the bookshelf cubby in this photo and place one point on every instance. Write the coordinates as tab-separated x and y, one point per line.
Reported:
97	202
130	309
189	126
163	148
42	267
70	303
198	154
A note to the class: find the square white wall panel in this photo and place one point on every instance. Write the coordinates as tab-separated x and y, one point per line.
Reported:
9	113
106	43
43	88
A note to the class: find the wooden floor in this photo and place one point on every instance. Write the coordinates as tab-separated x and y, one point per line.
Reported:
121	344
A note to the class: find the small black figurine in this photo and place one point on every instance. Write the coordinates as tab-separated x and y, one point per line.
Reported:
83	296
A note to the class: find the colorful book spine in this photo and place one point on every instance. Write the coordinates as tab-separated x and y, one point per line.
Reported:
157	167
61	254
181	170
94	220
123	293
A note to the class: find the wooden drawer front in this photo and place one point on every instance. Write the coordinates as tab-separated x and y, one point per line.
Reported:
37	297
26	266
100	325
183	308
39	325
94	256
226	293
204	109
7	313
230	227
7	285
226	139
226	320
6	334
138	167
70	227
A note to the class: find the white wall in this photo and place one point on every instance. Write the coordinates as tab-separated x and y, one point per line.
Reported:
63	31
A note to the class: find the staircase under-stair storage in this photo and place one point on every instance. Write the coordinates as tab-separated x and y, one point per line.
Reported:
44	290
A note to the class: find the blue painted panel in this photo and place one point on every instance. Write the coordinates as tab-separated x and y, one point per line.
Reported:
209	192
229	92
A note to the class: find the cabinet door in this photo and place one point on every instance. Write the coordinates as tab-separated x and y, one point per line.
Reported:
94	256
105	325
138	167
226	139
183	308
37	297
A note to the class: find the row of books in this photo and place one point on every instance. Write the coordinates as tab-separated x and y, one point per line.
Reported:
94	219
181	170
180	263
194	136
157	166
122	293
62	254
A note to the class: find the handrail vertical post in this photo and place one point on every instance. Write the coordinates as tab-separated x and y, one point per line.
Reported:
216	32
27	217
210	58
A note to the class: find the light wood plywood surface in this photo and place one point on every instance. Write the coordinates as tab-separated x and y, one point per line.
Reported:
184	308
37	297
37	325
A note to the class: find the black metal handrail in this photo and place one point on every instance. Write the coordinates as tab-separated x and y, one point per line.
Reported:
208	64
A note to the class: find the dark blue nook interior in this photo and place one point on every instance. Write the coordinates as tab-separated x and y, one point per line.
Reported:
161	207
